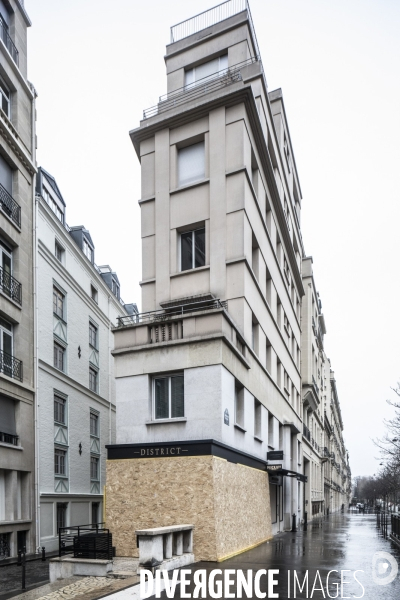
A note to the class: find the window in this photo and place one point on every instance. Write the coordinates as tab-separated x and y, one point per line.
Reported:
60	410
193	249
4	95
206	71
6	347
6	270
239	405
93	293
58	303
53	204
268	352
257	419
94	424
87	250
59	252
59	356
115	287
95	513
191	164
93	377
168	397
255	256
61	515
60	461
94	468
286	269
92	335
255	327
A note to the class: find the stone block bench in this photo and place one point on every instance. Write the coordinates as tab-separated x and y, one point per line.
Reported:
165	547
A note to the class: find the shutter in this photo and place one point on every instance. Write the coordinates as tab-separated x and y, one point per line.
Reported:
161	398
191	164
7	416
177	397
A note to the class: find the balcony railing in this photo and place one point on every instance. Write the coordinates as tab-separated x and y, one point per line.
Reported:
9	44
206	85
8	438
11	366
327	454
306	433
316	388
9	206
179	310
211	17
10	286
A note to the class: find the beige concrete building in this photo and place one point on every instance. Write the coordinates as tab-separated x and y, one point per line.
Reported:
17	376
208	378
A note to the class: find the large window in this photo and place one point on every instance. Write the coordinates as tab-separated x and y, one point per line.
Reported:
61	515
58	303
59	357
94	424
92	335
6	283
60	461
6	347
87	249
4	98
168	397
60	415
93	379
94	468
191	164
193	249
202	73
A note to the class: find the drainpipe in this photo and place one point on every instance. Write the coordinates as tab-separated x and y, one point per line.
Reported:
109	373
35	328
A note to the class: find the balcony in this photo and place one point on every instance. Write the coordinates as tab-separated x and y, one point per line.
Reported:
7	438
306	433
211	17
10	366
10	286
327	454
9	44
159	316
10	207
203	86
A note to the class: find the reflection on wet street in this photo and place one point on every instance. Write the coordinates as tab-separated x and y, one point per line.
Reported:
336	543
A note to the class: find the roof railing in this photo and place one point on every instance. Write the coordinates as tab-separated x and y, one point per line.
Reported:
166	314
210	17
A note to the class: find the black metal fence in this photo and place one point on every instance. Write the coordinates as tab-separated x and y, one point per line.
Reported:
85	541
11	366
9	206
4	35
10	286
395	522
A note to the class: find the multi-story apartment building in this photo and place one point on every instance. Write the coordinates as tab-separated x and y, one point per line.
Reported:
208	379
17	375
77	303
325	459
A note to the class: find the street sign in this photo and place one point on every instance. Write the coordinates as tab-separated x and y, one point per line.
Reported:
271	468
275	455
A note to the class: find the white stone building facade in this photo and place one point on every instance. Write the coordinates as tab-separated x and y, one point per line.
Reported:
77	303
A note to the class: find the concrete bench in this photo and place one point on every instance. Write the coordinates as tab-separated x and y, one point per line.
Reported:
165	547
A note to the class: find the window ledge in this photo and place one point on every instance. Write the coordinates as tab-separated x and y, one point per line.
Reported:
237	426
258	438
188	271
163	421
11	446
188	186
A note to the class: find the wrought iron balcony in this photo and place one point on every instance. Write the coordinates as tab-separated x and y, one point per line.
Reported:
9	206
206	85
9	44
326	452
8	438
11	366
179	310
10	286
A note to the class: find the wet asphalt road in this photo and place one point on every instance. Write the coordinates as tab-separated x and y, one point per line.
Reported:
340	542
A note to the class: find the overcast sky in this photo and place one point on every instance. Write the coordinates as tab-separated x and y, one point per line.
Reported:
96	65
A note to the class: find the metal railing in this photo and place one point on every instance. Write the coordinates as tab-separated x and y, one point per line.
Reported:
10	286
316	388
179	310
9	206
395	522
205	85
327	454
11	366
211	17
306	433
8	438
85	541
9	44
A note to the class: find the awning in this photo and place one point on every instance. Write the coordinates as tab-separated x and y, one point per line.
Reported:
287	473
